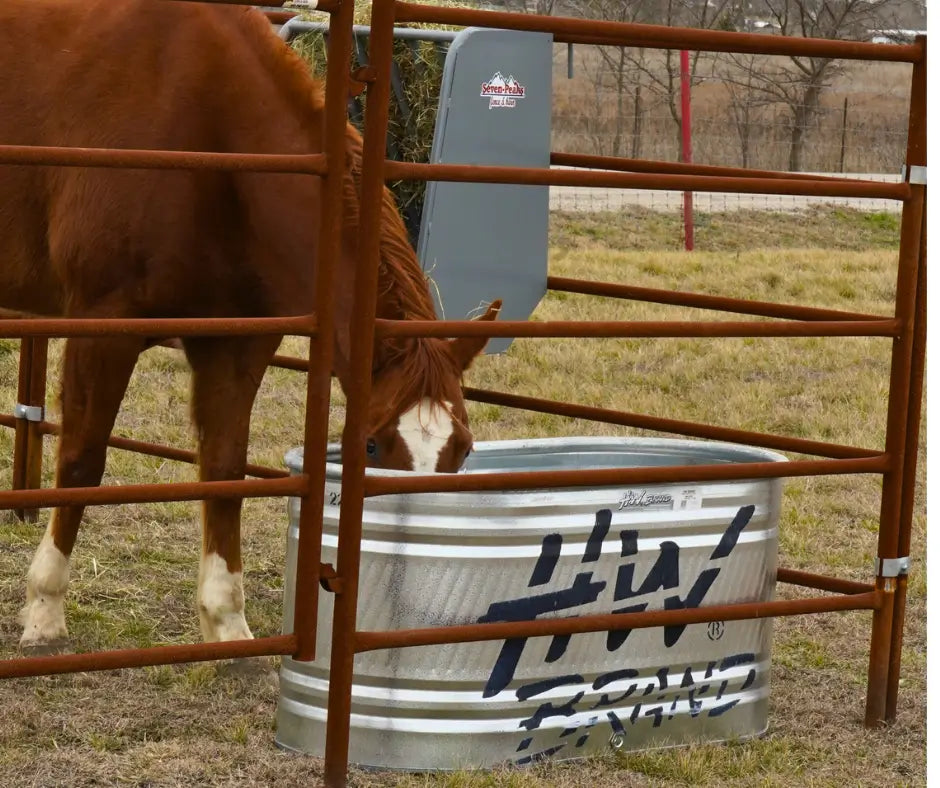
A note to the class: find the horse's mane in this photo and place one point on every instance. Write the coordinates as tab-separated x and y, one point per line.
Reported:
291	70
424	365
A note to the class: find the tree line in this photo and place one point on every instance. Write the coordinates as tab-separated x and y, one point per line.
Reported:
753	83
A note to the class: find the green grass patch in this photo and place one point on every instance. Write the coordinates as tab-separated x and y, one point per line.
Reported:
802	652
638	228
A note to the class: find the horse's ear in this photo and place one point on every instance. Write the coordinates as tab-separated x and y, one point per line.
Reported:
465	349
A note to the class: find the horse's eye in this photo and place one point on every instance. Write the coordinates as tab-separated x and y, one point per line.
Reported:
372	448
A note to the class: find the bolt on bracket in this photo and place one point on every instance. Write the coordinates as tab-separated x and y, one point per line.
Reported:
29	412
892	567
915	173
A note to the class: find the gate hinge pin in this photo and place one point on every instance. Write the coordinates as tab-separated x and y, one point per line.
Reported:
915	173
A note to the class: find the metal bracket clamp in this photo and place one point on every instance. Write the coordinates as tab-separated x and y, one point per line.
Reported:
29	412
892	567
916	173
330	579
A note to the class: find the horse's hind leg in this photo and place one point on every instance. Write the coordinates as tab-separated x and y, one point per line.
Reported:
95	376
226	376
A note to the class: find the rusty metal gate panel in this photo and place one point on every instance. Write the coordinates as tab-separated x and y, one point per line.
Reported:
894	462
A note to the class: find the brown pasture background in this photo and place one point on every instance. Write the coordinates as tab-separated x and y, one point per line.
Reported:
585	118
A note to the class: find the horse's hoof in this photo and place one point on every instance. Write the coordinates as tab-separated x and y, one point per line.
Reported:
45	648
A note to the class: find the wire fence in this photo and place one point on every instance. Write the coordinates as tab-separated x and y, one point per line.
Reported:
835	140
587	199
849	131
852	126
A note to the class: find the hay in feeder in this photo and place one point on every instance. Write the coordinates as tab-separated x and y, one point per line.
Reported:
418	68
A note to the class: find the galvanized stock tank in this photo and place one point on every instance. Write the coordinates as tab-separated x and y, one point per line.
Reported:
435	559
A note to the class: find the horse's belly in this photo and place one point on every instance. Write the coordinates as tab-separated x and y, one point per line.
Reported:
28	282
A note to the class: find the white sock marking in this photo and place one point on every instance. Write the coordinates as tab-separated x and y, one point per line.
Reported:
221	601
43	616
425	428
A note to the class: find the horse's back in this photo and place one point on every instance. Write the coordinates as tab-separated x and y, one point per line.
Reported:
145	74
90	74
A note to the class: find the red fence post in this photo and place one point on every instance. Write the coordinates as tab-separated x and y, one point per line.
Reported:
686	96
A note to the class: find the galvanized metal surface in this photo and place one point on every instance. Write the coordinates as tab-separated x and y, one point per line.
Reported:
482	241
457	558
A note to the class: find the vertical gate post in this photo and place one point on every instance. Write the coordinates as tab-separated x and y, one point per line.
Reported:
319	376
362	336
900	442
910	470
30	413
688	223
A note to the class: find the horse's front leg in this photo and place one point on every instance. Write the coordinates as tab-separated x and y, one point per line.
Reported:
95	377
226	375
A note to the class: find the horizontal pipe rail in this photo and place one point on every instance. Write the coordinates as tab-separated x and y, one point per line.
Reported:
302	325
822	582
623	164
702	301
541	176
126	158
678	427
889	53
300	26
291	362
173	453
467	633
634	329
279	361
153	493
567	29
150	449
606	477
21	667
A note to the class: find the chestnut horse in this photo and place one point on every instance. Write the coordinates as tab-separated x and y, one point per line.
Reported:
110	243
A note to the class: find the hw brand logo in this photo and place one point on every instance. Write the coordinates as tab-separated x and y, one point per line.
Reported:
585	590
647	699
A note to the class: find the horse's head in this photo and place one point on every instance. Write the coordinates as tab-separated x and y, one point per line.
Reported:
417	418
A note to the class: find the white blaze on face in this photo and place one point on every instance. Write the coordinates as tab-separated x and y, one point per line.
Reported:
425	428
221	601
43	616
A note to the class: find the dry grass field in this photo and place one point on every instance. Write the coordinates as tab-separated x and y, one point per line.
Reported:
134	568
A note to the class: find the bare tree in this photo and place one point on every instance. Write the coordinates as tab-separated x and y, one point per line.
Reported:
742	75
800	83
664	81
616	71
658	74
